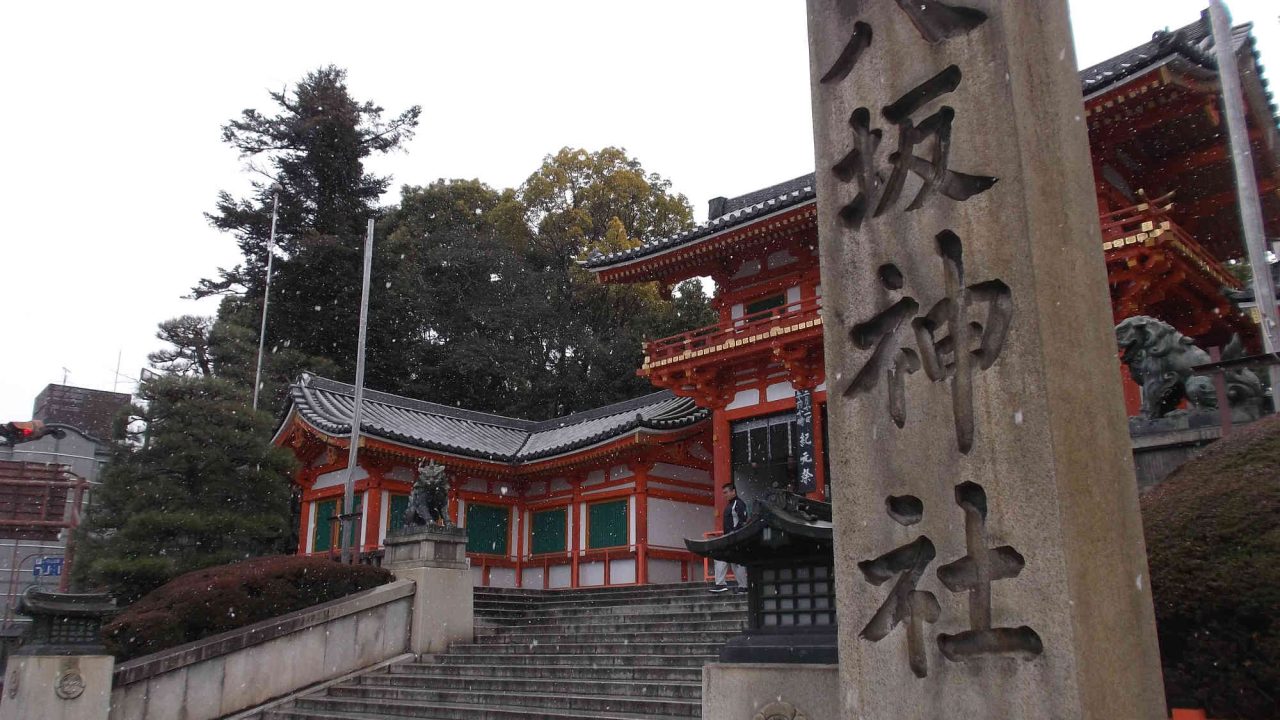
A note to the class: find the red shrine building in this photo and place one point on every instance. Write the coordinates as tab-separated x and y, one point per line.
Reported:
607	496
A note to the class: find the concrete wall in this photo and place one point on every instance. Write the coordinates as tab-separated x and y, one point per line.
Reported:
244	668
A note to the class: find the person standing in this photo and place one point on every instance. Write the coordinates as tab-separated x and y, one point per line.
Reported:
735	516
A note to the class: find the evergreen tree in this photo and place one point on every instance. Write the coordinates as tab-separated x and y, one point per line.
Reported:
204	487
314	148
453	314
188	352
492	312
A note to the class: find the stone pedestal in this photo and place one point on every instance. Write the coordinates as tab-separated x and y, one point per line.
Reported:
62	671
51	687
766	691
435	559
988	544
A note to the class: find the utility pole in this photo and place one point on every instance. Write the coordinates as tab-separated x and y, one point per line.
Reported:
1264	290
266	295
348	493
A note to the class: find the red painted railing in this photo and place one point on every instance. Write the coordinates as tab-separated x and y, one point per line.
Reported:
748	328
1150	221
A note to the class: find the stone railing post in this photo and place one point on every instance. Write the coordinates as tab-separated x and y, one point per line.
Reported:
435	559
62	671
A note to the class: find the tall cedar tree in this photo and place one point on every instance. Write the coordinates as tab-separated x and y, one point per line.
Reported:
205	487
313	149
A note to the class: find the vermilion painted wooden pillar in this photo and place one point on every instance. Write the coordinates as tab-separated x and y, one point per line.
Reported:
454	485
373	508
304	527
722	470
575	542
519	508
641	468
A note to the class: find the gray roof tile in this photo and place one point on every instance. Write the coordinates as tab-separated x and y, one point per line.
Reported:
328	405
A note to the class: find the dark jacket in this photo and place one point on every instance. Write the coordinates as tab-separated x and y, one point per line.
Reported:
735	515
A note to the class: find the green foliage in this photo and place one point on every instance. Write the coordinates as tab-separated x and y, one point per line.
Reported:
188	352
590	335
1213	543
477	298
574	199
447	319
315	146
480	301
214	600
205	487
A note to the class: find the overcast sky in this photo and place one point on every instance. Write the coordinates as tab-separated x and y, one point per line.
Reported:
112	129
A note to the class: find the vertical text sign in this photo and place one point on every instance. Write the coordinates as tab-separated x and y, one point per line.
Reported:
966	301
806	480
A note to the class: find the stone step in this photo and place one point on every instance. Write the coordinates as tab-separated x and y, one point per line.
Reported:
661	706
484	670
447	713
633	613
423	705
599	599
581	660
735	624
605	636
667	588
588	648
546	685
628	653
710	604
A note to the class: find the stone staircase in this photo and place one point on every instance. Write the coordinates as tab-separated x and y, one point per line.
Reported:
606	654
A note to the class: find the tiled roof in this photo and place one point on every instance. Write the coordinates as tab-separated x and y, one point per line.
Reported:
327	405
793	193
1193	42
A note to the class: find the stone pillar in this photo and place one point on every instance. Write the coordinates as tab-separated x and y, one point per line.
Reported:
435	559
988	545
62	671
765	691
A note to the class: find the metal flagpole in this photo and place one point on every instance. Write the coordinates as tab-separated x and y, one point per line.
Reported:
1264	290
348	493
266	295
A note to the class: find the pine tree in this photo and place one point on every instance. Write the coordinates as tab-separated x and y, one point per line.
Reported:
204	487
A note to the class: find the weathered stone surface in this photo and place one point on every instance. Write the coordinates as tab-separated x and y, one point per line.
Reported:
1003	469
436	546
443	611
32	685
443	608
738	691
234	671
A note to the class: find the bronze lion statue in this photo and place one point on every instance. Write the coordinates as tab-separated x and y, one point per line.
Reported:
1161	359
429	499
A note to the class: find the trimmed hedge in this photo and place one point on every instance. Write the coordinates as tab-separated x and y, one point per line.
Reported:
1213	543
217	599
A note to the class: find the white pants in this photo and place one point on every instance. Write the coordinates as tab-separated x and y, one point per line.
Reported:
722	570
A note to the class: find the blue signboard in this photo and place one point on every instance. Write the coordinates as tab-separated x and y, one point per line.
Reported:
48	567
